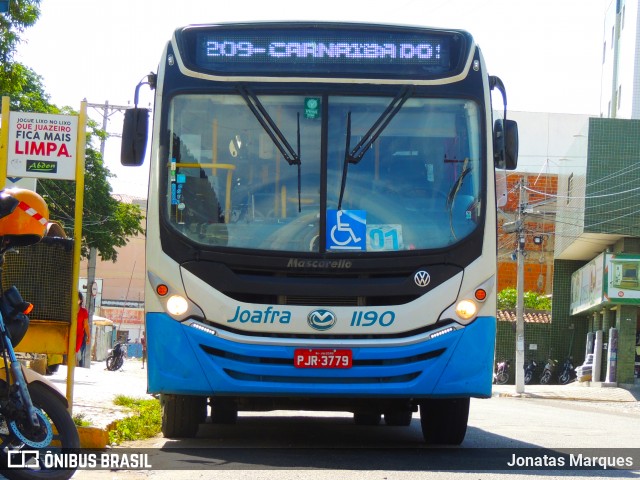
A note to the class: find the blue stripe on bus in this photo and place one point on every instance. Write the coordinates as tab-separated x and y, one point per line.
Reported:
185	360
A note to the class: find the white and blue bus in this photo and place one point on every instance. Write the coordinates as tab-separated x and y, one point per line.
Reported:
321	223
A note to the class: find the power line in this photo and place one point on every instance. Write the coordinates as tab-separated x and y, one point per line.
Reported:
107	111
530	190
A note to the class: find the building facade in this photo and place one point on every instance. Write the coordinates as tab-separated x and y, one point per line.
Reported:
539	232
620	93
598	223
596	250
120	296
550	144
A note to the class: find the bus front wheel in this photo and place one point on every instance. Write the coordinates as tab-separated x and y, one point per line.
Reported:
444	420
182	415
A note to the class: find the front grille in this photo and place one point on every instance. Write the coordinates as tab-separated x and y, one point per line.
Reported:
279	286
321	380
280	369
320	301
248	359
314	295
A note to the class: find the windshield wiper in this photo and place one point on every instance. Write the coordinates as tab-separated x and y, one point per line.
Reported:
455	188
291	156
354	156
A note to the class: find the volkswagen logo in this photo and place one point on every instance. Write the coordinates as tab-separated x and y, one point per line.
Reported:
422	278
321	319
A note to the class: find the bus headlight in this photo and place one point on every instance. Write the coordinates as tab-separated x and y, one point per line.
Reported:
171	298
473	302
466	309
177	305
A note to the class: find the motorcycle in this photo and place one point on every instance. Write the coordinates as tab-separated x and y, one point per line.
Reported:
501	375
547	373
33	414
568	372
115	360
529	369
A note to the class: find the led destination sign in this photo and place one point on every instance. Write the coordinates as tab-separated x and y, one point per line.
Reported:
332	51
312	50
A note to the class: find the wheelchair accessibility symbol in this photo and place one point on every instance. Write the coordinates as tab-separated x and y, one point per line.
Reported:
346	230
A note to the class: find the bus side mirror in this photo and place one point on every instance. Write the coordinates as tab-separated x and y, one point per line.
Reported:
134	136
505	144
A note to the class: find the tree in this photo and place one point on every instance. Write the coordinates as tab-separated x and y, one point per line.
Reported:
14	77
21	14
508	298
107	223
24	87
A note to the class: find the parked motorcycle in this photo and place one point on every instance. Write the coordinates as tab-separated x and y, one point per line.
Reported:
501	375
115	360
529	370
547	373
568	372
33	413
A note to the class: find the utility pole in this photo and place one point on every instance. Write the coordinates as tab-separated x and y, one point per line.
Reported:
520	252
107	111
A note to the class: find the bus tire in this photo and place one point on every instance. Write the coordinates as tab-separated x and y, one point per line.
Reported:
444	420
182	415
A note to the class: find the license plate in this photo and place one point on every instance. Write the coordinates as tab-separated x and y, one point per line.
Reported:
313	358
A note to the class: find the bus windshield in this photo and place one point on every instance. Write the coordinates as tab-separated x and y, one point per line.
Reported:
416	187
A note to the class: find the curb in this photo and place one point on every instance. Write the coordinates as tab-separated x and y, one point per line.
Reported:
556	397
93	437
597	392
96	437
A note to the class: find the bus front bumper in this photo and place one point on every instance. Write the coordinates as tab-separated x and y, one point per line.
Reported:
187	361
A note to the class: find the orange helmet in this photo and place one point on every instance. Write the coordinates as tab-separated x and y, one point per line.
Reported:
27	224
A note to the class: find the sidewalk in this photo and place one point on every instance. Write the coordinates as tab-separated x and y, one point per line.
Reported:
95	389
590	392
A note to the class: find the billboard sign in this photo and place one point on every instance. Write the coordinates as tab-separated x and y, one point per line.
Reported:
622	279
42	145
586	286
608	279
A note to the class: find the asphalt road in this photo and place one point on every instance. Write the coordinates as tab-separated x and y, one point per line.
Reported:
292	445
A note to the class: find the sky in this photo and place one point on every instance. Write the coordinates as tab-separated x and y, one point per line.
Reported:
547	52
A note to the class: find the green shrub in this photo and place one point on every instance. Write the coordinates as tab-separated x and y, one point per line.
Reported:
146	421
80	420
508	298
